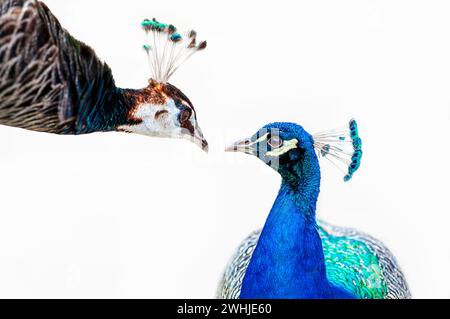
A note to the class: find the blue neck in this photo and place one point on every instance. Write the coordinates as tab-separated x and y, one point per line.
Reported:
288	261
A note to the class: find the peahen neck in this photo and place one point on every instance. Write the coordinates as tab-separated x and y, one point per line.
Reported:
288	261
104	111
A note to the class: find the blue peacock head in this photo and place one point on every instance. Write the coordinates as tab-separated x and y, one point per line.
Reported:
161	109
283	145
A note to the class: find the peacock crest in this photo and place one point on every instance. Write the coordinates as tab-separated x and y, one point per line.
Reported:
167	49
342	147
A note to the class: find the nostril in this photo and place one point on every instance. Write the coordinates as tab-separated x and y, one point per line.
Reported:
245	142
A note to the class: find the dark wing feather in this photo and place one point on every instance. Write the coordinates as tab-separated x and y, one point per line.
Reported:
49	81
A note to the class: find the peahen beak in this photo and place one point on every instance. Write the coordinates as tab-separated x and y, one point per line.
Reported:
198	139
202	143
205	146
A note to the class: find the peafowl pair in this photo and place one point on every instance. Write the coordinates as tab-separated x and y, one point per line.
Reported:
51	82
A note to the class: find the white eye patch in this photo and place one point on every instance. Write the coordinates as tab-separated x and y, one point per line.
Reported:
157	120
286	147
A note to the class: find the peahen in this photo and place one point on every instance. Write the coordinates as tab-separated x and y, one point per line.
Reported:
295	257
51	82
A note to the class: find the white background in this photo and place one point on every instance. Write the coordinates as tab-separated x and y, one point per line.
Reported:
116	215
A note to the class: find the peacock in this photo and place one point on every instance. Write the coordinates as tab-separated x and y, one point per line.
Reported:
296	256
51	82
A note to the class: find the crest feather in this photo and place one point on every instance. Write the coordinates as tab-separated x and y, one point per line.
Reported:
167	49
342	147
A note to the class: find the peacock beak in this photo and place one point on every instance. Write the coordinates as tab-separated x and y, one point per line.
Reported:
245	146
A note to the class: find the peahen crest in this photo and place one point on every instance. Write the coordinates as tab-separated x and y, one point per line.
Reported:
167	49
342	147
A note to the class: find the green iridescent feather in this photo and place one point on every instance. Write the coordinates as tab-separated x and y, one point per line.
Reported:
352	265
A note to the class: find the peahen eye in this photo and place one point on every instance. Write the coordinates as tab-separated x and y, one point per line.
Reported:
275	141
185	115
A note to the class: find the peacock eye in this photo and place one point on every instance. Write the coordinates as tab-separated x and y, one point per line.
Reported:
185	115
275	141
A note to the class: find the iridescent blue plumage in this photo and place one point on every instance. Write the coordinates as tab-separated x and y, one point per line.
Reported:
353	260
289	261
293	256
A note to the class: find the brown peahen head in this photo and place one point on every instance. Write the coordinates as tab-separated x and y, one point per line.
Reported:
161	109
51	82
